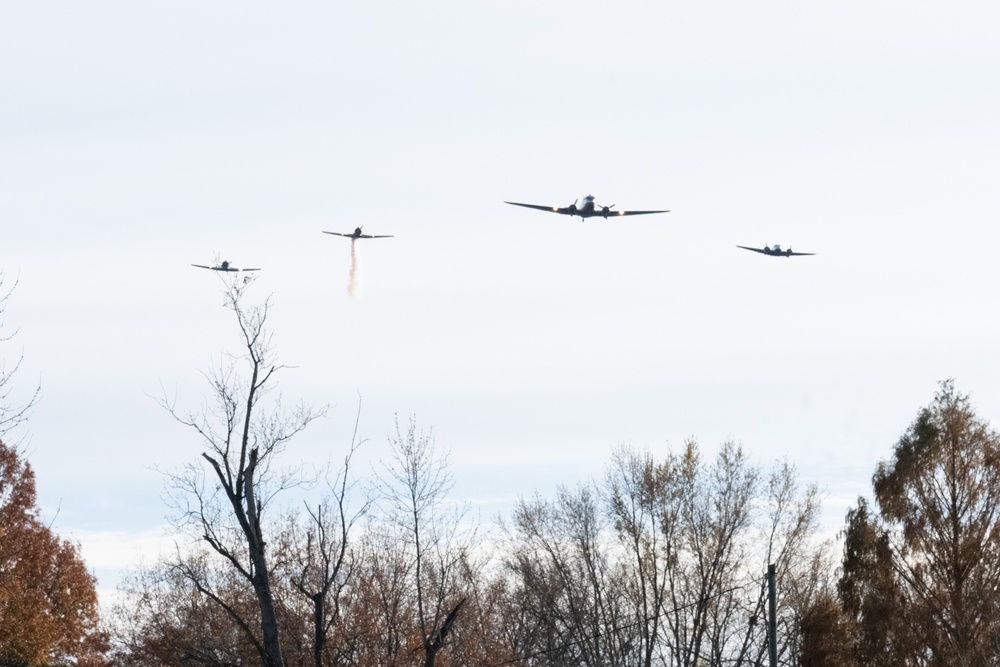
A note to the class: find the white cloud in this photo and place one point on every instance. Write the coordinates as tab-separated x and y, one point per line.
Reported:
119	549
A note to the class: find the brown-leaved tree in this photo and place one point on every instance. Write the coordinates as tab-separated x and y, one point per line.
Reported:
921	569
48	603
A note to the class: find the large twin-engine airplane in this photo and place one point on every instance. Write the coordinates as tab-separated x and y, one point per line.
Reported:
586	210
775	251
223	267
358	235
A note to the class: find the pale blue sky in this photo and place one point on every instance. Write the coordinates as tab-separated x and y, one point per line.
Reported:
139	138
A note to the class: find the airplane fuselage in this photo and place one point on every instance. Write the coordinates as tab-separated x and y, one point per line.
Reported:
588	208
776	250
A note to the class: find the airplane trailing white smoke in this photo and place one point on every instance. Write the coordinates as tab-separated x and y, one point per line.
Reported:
354	277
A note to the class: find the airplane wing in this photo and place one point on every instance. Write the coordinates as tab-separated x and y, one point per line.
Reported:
776	253
361	236
760	250
219	268
567	210
551	209
611	213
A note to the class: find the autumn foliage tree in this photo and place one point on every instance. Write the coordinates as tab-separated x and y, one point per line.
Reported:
48	603
921	569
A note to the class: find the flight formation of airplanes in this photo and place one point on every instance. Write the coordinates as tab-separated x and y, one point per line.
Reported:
588	209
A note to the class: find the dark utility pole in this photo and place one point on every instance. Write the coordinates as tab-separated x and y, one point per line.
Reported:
772	619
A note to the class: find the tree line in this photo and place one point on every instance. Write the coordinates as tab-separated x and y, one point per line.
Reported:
659	562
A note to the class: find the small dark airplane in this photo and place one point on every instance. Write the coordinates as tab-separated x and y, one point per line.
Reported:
587	210
775	251
223	267
358	235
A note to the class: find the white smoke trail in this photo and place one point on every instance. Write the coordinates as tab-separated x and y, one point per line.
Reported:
354	277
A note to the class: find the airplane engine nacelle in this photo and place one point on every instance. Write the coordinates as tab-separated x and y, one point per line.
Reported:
572	209
606	210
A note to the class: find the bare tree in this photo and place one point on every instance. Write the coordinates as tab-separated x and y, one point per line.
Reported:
11	416
804	565
225	505
568	581
412	492
668	570
383	607
643	521
320	559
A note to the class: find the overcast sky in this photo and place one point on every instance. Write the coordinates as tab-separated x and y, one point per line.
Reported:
139	138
